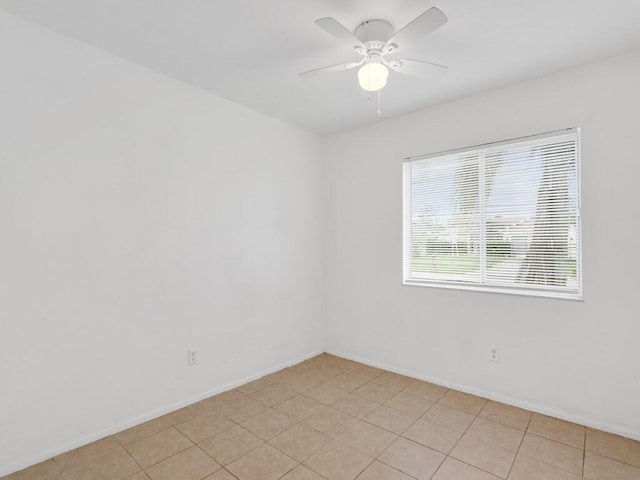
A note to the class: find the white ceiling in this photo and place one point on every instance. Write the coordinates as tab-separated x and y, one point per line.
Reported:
250	51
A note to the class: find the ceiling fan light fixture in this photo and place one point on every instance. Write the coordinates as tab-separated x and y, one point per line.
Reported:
375	38
372	76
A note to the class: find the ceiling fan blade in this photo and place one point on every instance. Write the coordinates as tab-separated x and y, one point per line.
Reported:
419	27
416	68
332	68
340	33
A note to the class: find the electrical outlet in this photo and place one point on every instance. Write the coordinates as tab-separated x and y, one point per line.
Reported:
494	354
192	356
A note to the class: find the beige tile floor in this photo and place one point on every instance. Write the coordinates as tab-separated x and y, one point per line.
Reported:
330	418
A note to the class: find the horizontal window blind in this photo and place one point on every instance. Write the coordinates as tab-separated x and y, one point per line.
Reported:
502	217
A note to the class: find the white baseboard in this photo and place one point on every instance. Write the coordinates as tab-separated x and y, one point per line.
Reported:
534	407
41	457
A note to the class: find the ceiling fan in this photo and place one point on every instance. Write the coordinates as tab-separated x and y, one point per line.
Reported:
374	40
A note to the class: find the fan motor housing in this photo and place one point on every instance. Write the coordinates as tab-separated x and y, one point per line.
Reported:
374	31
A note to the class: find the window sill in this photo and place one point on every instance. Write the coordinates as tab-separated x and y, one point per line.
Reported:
556	294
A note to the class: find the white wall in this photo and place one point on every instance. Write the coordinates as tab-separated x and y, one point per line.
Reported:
577	360
140	217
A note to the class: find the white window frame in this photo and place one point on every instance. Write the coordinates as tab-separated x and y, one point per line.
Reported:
483	149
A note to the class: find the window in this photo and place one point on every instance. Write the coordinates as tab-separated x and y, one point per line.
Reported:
501	217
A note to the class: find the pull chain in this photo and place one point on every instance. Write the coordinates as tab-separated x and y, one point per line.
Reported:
379	111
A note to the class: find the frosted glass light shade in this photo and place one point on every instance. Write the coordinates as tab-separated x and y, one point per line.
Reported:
373	76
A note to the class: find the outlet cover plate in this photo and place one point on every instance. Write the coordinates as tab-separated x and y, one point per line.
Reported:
494	354
192	356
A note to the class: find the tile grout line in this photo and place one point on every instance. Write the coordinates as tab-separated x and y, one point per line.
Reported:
448	455
238	458
180	431
267	442
584	452
129	453
554	466
526	430
357	419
